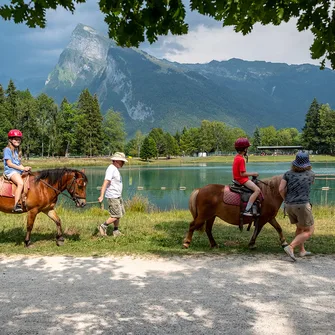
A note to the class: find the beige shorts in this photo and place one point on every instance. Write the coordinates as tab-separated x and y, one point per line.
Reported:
116	207
300	214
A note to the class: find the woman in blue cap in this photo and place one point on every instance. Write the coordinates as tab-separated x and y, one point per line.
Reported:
295	189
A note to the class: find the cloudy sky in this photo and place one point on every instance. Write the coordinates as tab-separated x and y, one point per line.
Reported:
27	52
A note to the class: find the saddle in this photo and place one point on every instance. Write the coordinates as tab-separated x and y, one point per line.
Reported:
237	194
8	188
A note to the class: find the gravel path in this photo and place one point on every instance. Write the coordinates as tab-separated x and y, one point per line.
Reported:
242	294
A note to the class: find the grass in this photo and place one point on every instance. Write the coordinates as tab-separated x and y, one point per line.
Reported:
154	233
44	163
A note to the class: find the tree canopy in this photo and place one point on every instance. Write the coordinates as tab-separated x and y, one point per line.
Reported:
130	22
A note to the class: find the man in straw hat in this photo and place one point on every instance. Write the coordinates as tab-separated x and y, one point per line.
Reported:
112	189
295	188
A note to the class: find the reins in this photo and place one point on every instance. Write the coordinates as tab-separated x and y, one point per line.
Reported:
73	198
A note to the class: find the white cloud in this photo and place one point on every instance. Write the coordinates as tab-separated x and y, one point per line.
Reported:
282	44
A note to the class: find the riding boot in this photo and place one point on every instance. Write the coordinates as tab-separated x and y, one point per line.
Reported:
17	208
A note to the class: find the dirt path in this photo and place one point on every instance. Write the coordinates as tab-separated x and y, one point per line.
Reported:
190	295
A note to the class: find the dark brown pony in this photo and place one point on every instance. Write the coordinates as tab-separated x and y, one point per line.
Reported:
207	203
41	191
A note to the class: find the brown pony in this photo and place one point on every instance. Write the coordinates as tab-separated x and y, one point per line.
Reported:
40	194
207	203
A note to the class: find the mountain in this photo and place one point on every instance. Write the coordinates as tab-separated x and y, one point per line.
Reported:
150	92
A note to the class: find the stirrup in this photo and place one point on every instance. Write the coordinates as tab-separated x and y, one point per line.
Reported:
17	208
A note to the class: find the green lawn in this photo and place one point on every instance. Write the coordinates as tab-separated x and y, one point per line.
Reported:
156	233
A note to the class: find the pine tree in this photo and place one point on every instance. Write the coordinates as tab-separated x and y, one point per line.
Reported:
46	116
66	126
257	140
12	100
172	147
310	131
89	132
158	135
2	95
148	149
27	122
5	123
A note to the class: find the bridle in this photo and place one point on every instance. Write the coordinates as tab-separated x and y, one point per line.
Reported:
71	189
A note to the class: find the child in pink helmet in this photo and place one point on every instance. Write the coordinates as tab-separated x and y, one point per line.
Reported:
13	167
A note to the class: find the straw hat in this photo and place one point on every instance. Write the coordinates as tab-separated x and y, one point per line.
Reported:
119	156
301	160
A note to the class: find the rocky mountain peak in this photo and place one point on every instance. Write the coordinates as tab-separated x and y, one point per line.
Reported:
150	92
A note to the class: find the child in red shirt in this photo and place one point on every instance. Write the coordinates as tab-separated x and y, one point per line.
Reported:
241	175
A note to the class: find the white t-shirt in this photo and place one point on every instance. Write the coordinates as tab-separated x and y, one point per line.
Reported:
114	190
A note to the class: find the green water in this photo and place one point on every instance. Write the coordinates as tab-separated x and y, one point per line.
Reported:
170	187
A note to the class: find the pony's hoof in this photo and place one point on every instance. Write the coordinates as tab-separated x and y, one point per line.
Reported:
252	247
27	244
186	245
284	244
59	243
215	246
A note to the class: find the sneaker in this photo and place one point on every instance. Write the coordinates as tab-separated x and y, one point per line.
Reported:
247	213
289	252
17	209
117	233
103	230
306	253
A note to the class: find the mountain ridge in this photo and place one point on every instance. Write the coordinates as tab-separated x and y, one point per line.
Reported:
151	92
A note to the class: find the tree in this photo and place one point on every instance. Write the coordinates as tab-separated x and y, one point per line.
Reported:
269	135
257	140
172	147
233	135
310	131
158	135
327	130
131	21
206	138
12	100
139	138
114	133
149	149
66	125
189	141
46	114
89	136
27	122
5	123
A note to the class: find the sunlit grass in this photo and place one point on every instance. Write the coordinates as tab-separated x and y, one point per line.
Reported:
154	233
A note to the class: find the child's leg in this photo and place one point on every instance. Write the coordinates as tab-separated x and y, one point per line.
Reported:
252	186
17	180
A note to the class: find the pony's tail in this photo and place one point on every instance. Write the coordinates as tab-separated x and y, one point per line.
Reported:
192	203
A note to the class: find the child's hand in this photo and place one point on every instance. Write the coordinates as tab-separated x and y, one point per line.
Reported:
27	168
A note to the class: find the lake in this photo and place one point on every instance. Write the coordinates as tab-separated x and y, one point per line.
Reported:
170	187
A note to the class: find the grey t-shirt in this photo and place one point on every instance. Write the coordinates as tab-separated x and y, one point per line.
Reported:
298	186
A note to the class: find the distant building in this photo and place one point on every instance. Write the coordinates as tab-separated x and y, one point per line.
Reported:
280	149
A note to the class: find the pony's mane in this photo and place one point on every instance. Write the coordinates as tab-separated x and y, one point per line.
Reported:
270	185
52	176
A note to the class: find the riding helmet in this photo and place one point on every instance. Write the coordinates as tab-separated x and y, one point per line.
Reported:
14	133
242	143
